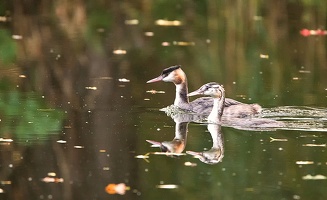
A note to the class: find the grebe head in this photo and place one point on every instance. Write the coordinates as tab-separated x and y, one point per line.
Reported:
174	146
171	74
212	89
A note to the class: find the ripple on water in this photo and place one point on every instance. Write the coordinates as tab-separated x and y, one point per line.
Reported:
299	117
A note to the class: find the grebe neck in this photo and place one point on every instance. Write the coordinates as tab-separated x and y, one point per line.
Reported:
181	94
217	136
217	110
181	129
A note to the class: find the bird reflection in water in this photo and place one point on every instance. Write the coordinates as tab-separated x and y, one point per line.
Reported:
177	145
216	153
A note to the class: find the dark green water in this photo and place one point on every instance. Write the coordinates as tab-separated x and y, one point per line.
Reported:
74	105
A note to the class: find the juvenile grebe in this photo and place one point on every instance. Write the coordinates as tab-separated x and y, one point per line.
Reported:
216	115
201	105
216	153
218	93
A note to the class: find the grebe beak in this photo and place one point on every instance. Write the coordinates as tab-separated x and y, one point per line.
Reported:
154	143
196	92
159	78
193	153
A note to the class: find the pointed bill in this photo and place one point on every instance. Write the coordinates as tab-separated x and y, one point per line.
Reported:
159	78
154	143
194	153
196	92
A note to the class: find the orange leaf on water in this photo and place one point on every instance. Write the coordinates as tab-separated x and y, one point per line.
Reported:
119	188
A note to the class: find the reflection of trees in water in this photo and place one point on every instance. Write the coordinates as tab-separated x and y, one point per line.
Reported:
68	46
60	60
238	32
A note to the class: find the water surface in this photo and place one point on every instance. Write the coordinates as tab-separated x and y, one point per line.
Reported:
76	111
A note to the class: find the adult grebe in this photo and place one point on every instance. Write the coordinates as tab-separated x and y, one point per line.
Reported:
216	115
177	145
201	105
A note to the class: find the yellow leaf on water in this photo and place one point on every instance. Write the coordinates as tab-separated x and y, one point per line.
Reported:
314	145
316	177
167	186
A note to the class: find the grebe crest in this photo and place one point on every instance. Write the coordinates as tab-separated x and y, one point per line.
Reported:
171	74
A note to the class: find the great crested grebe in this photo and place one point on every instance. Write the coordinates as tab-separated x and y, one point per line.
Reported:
201	105
218	93
177	145
216	115
216	153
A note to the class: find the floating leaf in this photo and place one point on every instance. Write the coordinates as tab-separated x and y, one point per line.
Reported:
167	186
316	177
119	188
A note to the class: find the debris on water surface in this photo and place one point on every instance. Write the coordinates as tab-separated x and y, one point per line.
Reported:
165	44
124	80
52	180
6	140
119	52
167	186
162	22
316	177
4	19
277	139
103	78
119	188
182	43
190	164
307	32
304	162
305	71
155	92
91	88
314	145
52	174
61	141
144	157
264	56
17	37
5	182
149	34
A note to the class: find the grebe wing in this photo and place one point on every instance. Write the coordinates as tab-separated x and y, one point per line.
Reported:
230	102
202	105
